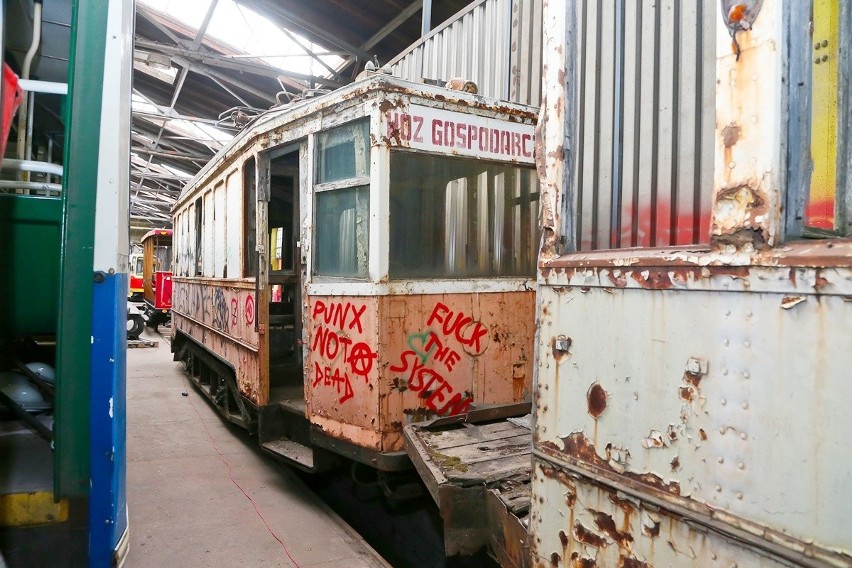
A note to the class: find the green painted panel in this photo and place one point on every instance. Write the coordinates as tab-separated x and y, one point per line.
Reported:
83	121
30	235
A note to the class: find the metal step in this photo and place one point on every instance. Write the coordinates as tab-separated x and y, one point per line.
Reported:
300	455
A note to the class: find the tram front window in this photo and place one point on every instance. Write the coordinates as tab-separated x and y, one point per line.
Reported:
461	218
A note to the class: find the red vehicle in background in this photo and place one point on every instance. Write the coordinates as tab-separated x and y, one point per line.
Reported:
157	276
136	288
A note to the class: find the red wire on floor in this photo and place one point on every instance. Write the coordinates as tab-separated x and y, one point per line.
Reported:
240	487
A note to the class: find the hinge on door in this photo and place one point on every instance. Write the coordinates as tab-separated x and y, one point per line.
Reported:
261	328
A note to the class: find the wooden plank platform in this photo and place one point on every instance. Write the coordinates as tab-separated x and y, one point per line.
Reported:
141	343
480	461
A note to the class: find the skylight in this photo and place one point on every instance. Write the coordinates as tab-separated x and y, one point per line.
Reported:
250	33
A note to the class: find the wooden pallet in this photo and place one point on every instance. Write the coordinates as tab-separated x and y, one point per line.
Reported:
141	343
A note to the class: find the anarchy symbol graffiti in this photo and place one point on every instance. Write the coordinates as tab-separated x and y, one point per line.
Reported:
249	310
361	359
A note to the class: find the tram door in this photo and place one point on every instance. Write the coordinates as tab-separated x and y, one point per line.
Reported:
285	279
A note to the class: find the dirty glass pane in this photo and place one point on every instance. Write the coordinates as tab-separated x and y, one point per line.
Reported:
342	232
343	152
461	218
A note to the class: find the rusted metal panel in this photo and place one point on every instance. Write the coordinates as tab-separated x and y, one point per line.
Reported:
690	411
343	377
442	353
221	317
749	106
432	355
596	526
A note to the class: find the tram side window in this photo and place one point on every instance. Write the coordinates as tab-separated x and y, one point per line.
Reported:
343	202
457	218
199	233
249	219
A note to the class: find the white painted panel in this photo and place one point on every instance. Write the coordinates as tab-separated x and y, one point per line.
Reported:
234	228
219	235
208	247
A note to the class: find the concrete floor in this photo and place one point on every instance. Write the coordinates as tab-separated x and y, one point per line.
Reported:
201	494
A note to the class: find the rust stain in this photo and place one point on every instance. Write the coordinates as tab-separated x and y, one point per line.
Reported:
653	278
693	379
606	524
563	538
578	447
702	434
652	531
631	562
675	463
686	393
730	135
555	559
578	561
596	397
585	536
562	478
820	281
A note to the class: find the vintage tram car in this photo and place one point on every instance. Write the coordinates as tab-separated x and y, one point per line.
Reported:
358	261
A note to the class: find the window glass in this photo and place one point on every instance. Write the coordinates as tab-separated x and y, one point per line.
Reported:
249	222
452	217
220	240
342	232
343	152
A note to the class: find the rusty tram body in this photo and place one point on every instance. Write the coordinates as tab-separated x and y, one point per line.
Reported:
358	261
693	361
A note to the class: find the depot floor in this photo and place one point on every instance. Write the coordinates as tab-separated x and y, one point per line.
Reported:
200	494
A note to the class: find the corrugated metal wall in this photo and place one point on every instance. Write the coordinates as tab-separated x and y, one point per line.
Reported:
646	122
495	43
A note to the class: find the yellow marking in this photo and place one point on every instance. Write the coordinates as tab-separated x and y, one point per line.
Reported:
36	508
824	53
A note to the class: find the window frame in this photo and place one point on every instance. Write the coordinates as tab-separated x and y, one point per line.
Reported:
357	181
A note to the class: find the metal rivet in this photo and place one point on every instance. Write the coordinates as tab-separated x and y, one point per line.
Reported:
824	58
718	488
722	430
724	402
747	344
817	61
739	496
816	45
745	406
825	43
741	465
724	371
721	459
743	436
726	342
727	312
749	314
713	556
732	165
746	375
